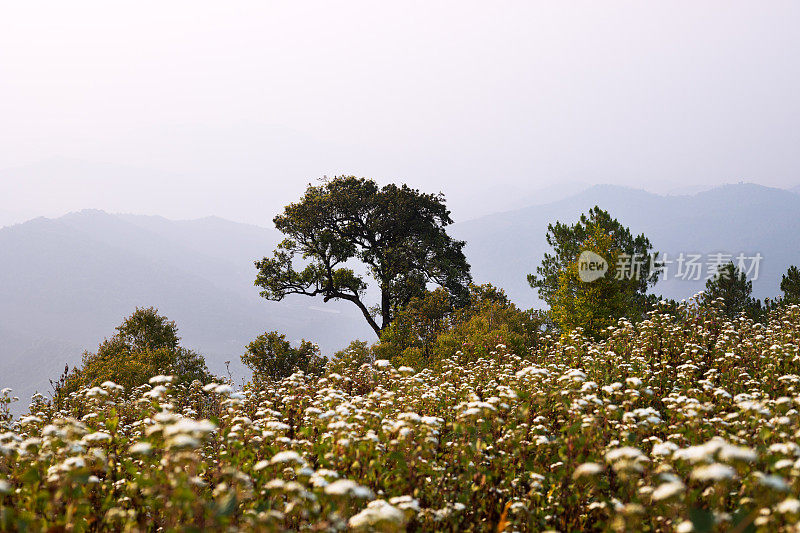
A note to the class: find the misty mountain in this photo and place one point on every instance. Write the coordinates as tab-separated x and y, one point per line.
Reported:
732	219
66	283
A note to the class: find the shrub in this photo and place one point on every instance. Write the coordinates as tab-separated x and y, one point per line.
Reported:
271	357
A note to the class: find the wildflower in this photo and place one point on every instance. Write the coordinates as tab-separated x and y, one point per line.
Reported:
788	506
628	453
183	442
667	490
587	469
97	437
189	426
346	487
713	472
378	515
141	448
773	482
287	456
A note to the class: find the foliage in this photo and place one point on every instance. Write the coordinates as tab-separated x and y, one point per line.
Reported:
593	306
411	338
432	328
735	291
357	354
396	232
684	421
790	285
271	357
146	344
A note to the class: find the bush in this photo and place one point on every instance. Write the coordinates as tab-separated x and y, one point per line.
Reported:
430	329
271	357
146	344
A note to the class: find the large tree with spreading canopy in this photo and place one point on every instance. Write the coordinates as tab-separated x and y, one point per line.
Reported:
396	232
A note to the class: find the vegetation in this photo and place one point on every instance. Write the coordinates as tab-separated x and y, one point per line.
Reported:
595	305
271	357
790	285
430	329
469	414
681	421
396	232
146	344
734	290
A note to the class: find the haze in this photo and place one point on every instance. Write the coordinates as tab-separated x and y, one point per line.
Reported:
189	109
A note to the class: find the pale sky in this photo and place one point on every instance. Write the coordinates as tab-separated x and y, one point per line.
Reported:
194	108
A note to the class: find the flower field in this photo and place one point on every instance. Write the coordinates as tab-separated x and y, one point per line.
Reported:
683	422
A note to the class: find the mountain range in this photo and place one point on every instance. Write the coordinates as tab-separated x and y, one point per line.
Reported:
66	282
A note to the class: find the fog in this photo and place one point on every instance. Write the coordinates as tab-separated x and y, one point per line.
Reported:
189	109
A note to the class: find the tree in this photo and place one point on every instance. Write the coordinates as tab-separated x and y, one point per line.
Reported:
790	285
430	328
397	232
416	327
736	291
271	357
594	303
146	344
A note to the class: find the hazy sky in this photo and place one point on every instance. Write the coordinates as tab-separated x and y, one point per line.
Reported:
193	108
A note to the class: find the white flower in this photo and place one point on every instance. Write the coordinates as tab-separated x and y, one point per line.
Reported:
729	452
667	490
99	436
5	487
664	448
773	482
532	371
158	380
382	363
74	462
587	469
628	453
287	456
633	382
713	472
789	506
378	515
191	427
405	503
261	465
346	487
183	441
141	448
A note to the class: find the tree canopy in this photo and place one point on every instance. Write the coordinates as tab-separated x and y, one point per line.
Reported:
146	344
735	291
593	305
396	232
271	357
790	285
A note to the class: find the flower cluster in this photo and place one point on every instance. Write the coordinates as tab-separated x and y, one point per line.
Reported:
684	421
